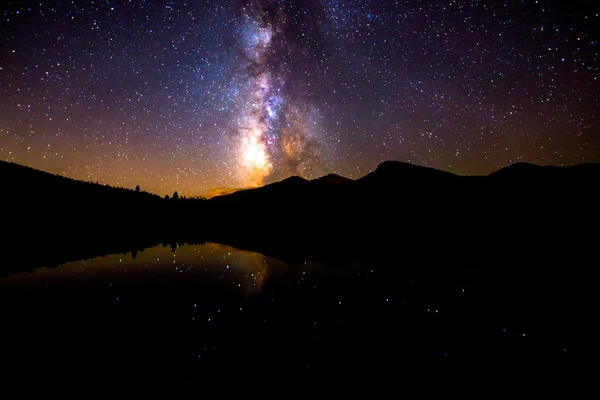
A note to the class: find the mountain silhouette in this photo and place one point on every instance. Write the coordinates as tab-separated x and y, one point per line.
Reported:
523	170
390	173
332	180
416	205
397	206
293	188
29	183
220	191
281	191
393	177
30	186
50	219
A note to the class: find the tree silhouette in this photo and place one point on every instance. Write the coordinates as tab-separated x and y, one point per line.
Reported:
175	196
166	197
137	189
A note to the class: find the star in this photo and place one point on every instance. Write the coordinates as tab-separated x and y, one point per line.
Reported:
200	98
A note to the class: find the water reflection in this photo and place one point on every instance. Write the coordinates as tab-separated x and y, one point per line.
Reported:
172	311
155	267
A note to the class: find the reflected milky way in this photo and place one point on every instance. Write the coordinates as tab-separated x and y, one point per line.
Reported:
156	266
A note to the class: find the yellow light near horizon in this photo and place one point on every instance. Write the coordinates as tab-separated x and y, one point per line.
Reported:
255	159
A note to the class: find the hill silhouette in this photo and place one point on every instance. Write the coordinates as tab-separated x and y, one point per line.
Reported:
28	183
394	172
220	191
51	219
332	179
398	207
523	170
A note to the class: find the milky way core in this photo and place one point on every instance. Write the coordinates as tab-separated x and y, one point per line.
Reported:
272	129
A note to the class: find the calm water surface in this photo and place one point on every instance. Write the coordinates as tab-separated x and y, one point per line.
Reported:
172	312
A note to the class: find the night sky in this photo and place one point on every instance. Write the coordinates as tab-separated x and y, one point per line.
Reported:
198	95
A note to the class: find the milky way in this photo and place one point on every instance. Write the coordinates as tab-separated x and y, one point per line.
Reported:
275	126
213	95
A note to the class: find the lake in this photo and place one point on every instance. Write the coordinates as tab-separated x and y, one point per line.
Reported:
172	312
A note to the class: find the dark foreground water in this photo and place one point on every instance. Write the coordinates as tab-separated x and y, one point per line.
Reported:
173	313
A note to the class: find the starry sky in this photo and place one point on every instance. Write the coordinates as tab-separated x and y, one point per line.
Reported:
199	96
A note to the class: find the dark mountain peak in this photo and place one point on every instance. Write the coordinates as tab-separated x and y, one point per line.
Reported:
520	168
395	164
528	170
10	170
394	172
293	178
404	168
288	183
524	164
333	179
